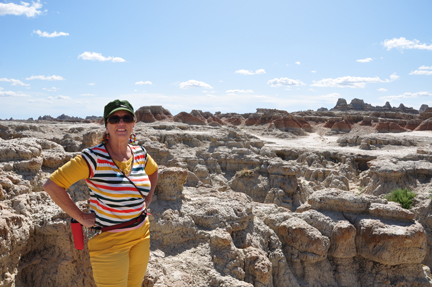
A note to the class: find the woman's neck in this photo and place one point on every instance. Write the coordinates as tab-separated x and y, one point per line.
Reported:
119	151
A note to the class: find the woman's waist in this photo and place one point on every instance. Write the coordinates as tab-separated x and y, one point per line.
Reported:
127	224
117	239
106	218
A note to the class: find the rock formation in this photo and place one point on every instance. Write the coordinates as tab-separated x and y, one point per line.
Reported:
360	105
149	114
262	199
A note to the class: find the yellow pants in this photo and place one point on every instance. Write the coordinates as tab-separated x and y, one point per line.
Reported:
120	258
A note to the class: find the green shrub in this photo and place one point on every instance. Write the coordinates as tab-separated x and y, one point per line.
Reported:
402	196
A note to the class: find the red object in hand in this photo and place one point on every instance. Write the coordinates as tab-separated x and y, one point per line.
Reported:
77	233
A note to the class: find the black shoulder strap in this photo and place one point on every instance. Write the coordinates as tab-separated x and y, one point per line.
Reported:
133	159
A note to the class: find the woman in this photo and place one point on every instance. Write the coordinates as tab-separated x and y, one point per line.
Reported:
121	179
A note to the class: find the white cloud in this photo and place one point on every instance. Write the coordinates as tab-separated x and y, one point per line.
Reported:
284	82
314	72
298	63
118	60
88	95
91	84
144	83
48	35
53	89
62	97
39	101
7	93
331	96
194	84
407	96
403	43
14	82
44	78
422	71
92	56
382	90
364	60
237	91
351	82
247	72
11	94
393	77
23	9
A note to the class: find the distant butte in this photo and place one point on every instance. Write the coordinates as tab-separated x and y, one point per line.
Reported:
341	118
338	119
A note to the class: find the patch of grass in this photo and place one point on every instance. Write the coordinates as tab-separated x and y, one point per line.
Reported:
247	172
402	196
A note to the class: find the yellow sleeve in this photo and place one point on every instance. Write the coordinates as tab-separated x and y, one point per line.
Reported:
71	172
151	166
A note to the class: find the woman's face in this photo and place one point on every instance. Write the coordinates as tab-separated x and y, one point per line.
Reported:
120	130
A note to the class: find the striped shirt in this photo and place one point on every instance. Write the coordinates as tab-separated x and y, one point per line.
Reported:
114	196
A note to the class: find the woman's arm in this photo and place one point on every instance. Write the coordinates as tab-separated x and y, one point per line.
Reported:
62	199
153	181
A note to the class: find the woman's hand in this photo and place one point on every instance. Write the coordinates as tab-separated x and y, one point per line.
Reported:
153	181
87	219
62	198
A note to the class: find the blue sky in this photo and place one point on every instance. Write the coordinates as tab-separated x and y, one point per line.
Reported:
72	57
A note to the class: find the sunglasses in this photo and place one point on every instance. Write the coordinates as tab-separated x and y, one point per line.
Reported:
116	119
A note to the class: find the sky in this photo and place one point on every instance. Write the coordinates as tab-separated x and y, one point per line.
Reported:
73	57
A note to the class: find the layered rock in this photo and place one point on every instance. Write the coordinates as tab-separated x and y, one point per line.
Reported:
187	118
426	113
389	127
374	141
229	210
389	244
341	126
424	126
387	175
149	114
357	111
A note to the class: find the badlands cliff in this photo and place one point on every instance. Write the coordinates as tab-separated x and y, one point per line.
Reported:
262	199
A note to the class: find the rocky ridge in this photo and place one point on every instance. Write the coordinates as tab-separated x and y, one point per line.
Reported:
262	199
340	118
